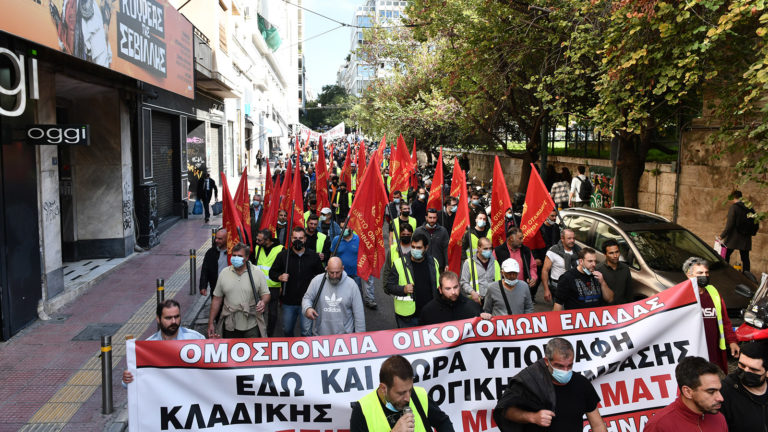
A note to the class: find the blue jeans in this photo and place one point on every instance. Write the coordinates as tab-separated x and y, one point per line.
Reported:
290	314
366	288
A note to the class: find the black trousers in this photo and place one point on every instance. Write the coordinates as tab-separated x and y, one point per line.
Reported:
207	207
744	258
272	308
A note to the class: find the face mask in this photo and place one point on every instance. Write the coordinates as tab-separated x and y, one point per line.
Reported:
702	281
405	239
391	407
509	282
509	215
256	203
561	376
487	254
405	213
347	232
281	223
481	224
750	379
298	244
422	196
417	254
586	271
475	202
397	200
237	261
454	208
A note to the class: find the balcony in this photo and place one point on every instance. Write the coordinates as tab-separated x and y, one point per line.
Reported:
207	78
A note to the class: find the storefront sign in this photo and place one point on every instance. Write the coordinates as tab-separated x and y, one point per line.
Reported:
148	40
26	78
59	135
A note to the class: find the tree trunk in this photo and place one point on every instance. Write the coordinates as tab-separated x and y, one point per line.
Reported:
633	150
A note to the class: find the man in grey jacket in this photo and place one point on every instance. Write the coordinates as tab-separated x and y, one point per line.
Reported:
478	274
340	306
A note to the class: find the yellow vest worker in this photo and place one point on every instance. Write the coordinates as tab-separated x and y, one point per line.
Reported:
383	409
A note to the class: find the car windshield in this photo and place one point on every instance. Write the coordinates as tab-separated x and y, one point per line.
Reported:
667	250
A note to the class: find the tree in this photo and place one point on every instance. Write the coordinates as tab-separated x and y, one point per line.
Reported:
331	108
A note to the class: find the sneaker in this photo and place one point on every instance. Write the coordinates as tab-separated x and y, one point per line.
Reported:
371	305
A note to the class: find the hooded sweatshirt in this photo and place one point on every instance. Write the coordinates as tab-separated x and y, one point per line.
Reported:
340	306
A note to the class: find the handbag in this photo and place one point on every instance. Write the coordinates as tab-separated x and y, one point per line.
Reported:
216	208
198	208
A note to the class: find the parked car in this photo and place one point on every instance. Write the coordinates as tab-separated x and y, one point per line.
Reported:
655	250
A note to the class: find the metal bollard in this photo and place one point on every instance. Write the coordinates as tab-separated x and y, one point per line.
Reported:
160	290
106	374
213	234
192	272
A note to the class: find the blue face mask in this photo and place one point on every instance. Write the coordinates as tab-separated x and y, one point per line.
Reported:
397	200
237	261
481	224
475	202
391	407
347	232
417	253
561	376
487	254
454	208
510	282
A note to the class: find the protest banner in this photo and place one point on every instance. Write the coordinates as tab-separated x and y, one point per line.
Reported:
629	352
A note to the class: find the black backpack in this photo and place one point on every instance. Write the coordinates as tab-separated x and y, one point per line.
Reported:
746	225
585	189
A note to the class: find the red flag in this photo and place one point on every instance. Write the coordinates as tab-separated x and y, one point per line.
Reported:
538	206
435	200
369	205
346	171
267	189
360	162
243	204
285	188
230	217
500	203
321	178
458	179
414	165
401	167
297	198
271	192
459	229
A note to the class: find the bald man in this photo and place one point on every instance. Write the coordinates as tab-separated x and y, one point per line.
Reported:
340	306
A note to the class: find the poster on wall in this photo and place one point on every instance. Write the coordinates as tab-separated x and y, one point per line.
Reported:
145	39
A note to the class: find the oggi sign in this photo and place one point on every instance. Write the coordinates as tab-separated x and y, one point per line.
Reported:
59	134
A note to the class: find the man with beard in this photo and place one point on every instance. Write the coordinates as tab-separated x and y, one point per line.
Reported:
340	305
450	305
384	409
169	320
745	404
697	407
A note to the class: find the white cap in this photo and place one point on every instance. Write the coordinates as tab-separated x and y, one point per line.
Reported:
325	210
510	266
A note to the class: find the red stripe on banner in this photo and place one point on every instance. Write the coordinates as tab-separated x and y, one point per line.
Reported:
235	353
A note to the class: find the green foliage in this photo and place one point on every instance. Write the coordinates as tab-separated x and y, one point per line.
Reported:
331	108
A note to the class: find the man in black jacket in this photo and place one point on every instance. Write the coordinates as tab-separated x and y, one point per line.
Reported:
450	305
214	262
745	395
206	188
302	265
548	395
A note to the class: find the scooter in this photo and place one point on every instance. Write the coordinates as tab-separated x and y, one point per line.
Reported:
755	326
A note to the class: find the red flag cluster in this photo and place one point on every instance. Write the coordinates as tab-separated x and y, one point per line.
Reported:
460	223
500	203
538	206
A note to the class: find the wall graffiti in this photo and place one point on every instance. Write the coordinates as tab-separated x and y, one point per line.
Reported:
127	215
50	210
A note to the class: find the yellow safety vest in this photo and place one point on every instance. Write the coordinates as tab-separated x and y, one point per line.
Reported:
405	305
411	222
320	242
265	262
349	200
719	310
496	274
374	415
354	182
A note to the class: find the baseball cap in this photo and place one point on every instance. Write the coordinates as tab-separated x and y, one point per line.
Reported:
325	210
509	266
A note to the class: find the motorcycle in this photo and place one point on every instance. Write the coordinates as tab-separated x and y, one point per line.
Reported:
755	326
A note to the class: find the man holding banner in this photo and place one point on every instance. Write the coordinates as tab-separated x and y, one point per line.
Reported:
548	394
397	405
